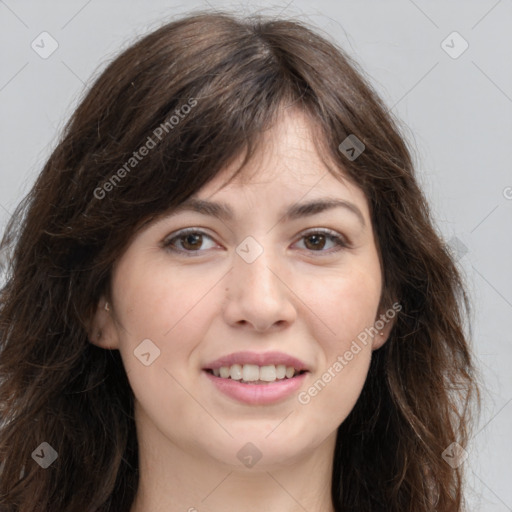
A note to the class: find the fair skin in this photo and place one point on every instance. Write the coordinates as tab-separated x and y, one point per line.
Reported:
300	296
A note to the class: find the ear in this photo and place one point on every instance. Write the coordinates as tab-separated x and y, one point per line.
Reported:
102	330
386	320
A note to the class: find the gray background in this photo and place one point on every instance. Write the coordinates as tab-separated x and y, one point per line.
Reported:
456	114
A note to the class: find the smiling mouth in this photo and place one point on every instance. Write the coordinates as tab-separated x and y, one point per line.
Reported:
254	374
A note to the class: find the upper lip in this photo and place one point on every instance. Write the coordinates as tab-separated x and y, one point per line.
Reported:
259	359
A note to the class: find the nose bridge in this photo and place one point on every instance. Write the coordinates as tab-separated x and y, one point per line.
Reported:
257	294
254	266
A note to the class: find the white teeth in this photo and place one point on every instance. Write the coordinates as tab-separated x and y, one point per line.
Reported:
253	372
250	372
235	372
280	371
268	373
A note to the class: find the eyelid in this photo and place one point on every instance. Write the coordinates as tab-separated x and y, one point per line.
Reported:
181	233
325	231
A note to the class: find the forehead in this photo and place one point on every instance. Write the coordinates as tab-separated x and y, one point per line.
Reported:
288	176
287	164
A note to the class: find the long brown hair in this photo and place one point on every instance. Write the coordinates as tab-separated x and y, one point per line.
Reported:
234	75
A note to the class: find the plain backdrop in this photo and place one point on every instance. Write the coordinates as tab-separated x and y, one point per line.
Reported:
455	105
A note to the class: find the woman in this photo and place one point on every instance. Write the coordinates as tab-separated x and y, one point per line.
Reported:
226	292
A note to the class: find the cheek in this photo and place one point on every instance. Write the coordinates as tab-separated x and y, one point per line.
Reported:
159	327
343	303
164	305
333	394
335	386
342	309
159	299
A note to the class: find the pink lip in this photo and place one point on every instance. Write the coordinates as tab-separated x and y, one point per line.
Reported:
261	359
257	394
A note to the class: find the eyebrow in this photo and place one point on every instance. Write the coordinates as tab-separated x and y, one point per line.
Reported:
223	211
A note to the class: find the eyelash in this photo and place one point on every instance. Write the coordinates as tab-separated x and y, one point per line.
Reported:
338	240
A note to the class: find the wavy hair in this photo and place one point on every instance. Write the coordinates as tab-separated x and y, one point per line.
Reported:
234	75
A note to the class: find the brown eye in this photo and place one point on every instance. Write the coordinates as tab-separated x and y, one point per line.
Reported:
192	241
188	241
317	241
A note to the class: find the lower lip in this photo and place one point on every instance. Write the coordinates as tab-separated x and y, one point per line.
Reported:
257	394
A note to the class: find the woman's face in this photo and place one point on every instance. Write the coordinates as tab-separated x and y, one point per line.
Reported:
251	292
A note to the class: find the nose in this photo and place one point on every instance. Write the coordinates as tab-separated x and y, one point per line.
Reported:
259	294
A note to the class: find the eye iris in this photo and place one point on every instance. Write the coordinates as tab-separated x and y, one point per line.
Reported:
196	238
316	245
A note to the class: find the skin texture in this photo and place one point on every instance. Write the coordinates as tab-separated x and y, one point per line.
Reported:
295	298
